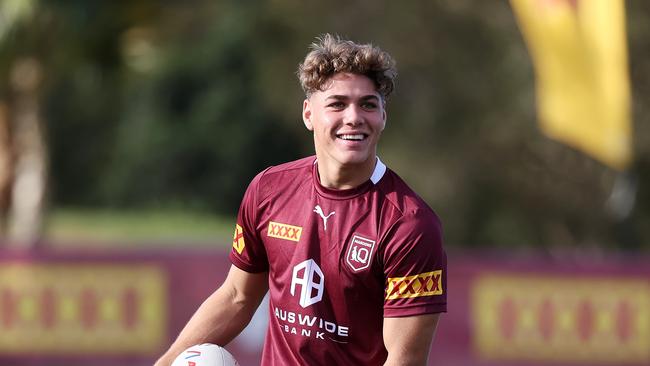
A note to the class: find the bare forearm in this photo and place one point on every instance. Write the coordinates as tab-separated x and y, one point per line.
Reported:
405	360
220	318
216	321
408	356
408	339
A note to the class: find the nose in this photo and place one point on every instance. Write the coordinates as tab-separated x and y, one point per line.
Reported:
353	115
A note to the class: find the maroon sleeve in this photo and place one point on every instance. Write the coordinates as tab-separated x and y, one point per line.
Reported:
248	252
415	266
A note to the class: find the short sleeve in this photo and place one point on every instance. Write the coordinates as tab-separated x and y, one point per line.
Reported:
248	252
415	266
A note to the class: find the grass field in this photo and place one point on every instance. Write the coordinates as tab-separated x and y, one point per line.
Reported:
135	229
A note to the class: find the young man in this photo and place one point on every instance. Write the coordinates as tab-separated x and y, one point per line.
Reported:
352	257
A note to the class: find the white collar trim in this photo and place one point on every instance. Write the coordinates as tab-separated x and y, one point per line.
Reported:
380	170
377	174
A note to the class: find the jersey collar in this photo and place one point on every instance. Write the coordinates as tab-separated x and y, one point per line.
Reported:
377	174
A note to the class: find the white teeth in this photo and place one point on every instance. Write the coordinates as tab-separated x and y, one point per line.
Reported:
358	137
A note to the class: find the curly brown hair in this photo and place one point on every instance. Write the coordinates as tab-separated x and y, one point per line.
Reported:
331	55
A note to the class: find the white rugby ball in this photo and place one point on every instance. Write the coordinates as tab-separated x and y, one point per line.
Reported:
206	354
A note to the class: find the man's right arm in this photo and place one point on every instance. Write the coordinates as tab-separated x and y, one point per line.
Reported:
223	315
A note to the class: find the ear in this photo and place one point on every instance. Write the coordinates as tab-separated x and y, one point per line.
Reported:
306	114
383	117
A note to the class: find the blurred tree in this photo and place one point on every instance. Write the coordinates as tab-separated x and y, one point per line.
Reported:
634	231
23	164
5	167
188	126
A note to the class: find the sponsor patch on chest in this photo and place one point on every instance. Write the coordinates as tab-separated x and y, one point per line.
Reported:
360	253
284	231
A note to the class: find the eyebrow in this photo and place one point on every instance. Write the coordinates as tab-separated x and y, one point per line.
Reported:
345	97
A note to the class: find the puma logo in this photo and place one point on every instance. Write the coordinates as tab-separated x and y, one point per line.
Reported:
320	213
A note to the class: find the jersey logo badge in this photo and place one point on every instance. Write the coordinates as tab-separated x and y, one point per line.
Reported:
238	239
320	213
284	231
360	253
310	277
423	284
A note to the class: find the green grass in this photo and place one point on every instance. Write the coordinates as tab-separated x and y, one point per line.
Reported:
134	229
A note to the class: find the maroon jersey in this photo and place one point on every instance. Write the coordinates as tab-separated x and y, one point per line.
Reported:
339	261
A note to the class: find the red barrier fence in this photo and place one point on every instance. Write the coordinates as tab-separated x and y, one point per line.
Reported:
97	308
536	312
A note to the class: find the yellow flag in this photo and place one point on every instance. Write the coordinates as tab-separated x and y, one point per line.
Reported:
580	57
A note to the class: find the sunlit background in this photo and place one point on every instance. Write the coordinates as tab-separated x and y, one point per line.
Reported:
129	131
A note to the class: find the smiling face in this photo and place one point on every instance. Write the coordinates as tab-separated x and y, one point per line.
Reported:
347	119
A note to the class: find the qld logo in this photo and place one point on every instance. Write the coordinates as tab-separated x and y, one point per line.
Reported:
309	276
360	253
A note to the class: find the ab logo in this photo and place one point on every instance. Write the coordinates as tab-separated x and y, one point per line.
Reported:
310	277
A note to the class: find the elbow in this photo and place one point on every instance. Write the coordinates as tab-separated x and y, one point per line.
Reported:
242	302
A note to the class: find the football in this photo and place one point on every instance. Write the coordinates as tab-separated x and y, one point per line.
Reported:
206	354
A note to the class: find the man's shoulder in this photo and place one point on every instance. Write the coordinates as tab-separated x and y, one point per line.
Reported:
401	197
286	171
283	175
409	214
295	166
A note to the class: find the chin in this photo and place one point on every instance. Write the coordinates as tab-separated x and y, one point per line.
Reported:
354	159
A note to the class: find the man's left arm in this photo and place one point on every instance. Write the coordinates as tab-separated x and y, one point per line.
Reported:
408	339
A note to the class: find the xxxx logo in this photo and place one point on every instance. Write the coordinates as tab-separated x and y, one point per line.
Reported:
238	239
423	284
284	231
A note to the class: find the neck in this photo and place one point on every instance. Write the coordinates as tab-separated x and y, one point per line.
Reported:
345	176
